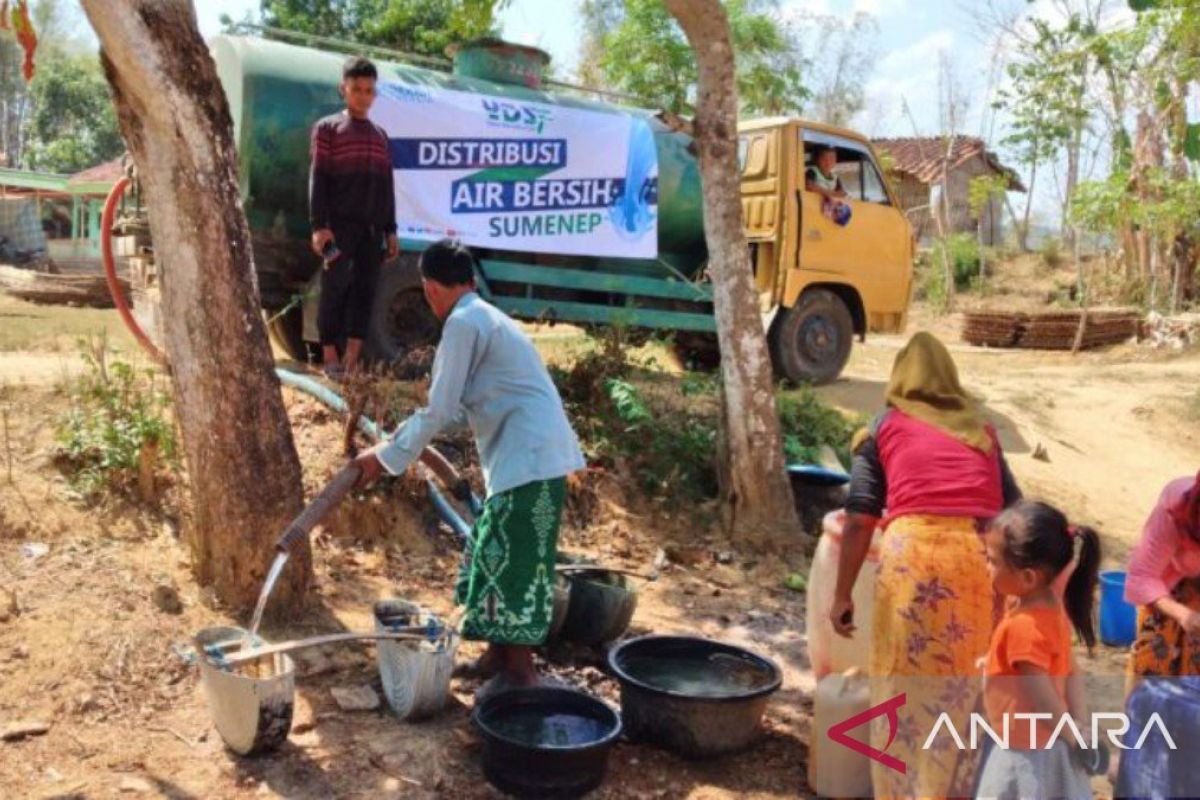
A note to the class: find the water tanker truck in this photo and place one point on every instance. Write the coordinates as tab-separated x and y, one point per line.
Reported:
578	211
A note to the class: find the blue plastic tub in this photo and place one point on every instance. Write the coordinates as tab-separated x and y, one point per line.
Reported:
1118	619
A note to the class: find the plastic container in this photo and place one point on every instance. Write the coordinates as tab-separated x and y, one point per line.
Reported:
545	742
828	652
251	704
835	770
1155	770
1118	619
600	607
415	674
698	698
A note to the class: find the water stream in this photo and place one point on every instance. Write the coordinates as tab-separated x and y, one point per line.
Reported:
272	576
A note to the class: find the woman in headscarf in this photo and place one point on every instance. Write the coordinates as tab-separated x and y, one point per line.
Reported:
1164	582
934	463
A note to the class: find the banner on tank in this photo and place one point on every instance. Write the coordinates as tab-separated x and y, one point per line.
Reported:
509	174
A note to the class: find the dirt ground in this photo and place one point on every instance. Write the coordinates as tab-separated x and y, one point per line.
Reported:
85	649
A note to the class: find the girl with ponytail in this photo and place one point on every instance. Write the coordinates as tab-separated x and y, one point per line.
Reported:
1029	665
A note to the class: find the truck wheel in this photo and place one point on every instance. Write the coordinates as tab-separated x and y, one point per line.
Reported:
400	318
287	332
810	342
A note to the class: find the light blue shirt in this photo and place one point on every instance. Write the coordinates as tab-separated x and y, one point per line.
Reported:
487	366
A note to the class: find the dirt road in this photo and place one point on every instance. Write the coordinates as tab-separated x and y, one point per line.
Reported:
1115	425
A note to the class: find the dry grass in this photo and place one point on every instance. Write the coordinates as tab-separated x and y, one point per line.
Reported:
57	329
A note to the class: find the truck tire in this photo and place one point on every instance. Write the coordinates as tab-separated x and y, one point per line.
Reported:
810	342
287	332
400	318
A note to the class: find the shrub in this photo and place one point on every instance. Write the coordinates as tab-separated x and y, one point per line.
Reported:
808	424
117	414
1051	252
931	283
963	250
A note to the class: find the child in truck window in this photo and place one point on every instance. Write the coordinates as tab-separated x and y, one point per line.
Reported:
819	178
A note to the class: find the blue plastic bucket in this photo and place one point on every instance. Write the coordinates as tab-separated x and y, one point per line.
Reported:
1118	619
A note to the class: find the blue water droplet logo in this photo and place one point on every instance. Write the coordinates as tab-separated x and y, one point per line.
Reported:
636	210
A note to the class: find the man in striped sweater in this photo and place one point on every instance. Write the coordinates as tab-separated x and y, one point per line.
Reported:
352	204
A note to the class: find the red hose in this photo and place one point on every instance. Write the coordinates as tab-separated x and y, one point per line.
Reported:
110	272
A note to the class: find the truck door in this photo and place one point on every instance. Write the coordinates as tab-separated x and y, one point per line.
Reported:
872	252
762	191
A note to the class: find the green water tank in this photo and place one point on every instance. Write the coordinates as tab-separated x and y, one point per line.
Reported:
277	91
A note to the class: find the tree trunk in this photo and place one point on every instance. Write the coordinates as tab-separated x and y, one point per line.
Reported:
757	492
241	460
1024	231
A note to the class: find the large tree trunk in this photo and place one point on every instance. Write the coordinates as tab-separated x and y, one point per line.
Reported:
757	492
241	460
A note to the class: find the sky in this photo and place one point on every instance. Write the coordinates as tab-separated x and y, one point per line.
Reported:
911	35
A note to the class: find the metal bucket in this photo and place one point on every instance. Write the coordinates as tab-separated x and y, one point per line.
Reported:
415	674
250	705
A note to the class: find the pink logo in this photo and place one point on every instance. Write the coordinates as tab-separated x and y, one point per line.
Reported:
838	732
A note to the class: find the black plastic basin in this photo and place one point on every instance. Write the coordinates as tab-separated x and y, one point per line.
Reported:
695	697
545	742
600	609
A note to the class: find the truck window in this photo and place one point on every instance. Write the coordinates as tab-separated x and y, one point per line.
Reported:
855	168
873	191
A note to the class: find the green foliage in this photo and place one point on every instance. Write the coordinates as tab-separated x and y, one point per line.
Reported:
931	283
640	50
424	27
808	424
116	411
983	189
1046	99
1051	252
963	251
669	446
698	383
73	126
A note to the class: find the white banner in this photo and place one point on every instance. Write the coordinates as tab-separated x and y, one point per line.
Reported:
515	175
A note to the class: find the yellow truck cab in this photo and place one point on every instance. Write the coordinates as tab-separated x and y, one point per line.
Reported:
819	282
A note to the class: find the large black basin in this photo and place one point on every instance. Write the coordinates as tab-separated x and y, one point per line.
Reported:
600	608
695	697
545	742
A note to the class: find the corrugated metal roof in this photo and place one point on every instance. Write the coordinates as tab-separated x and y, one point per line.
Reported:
38	181
922	157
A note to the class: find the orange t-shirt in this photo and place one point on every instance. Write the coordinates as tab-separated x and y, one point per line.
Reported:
1040	637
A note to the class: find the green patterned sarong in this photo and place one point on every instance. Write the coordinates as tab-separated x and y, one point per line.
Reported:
507	576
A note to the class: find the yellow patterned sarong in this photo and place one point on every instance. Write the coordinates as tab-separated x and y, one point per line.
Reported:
934	614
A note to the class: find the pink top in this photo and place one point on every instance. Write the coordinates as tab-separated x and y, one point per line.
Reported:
931	472
1166	554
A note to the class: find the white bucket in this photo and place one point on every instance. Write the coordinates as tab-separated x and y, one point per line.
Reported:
415	674
835	770
250	704
828	652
